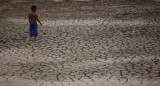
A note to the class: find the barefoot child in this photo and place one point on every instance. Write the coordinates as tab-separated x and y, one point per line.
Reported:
33	18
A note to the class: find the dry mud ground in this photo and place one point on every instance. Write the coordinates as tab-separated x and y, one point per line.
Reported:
114	43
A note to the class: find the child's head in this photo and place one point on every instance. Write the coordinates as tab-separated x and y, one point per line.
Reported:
33	8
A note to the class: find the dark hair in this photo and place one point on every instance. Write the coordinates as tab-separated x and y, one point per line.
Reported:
33	8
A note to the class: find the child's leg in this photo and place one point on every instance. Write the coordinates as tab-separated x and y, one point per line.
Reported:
35	37
30	38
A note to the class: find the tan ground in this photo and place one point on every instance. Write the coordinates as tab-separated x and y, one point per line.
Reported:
114	43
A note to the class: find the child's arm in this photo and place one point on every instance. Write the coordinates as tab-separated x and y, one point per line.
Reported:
38	20
29	18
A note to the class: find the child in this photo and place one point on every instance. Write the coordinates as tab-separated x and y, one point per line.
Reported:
33	18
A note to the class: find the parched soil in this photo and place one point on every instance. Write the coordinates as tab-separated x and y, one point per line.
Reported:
109	43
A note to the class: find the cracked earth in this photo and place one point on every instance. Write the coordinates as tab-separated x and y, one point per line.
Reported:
114	43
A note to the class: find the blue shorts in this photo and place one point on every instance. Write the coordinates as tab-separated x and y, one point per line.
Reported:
33	29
